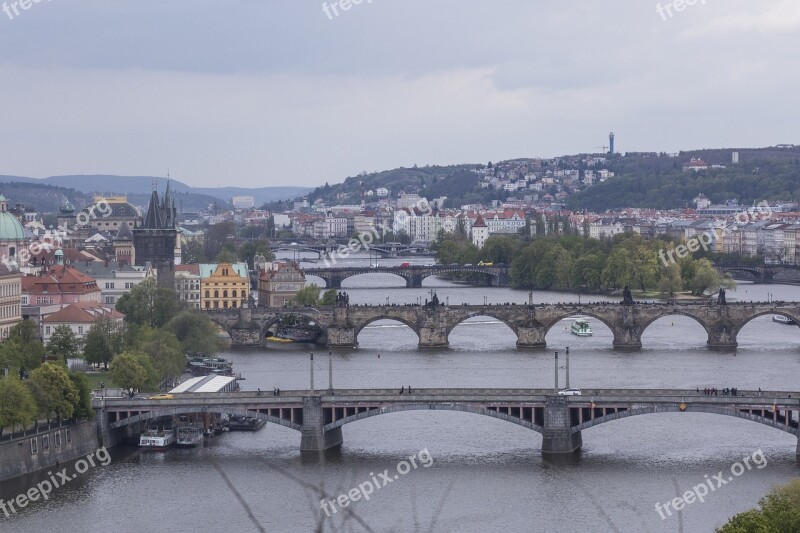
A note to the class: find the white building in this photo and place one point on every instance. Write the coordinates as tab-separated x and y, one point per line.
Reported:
331	226
113	280
480	232
80	317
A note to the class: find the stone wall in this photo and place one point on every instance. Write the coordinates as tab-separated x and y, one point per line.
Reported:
26	455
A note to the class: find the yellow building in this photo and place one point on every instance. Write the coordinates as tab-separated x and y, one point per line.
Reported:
10	299
224	285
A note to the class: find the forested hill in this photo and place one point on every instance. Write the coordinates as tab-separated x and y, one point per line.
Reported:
659	181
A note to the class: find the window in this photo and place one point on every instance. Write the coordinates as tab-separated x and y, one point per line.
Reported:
208	294
234	293
34	445
69	435
58	438
208	305
216	294
80	330
47	330
225	294
110	299
46	442
110	285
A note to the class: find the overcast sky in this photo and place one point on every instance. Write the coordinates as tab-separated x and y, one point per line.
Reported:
276	92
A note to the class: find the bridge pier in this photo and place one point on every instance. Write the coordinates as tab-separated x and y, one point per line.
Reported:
629	339
313	438
341	337
414	282
531	337
558	439
722	338
433	337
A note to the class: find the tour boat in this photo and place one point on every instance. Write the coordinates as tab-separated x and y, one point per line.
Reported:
156	438
189	436
780	319
581	328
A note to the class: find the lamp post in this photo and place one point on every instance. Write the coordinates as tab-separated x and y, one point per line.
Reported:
330	370
555	388
566	385
312	373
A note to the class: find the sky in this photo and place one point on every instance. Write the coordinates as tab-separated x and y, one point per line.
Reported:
259	93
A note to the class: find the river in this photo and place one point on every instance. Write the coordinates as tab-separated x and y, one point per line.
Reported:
486	475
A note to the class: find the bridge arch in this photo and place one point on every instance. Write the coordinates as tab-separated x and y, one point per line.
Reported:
405	279
580	312
186	410
679	313
770	312
477	410
689	409
384	316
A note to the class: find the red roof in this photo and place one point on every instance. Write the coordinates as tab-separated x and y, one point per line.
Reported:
191	268
479	223
84	312
60	279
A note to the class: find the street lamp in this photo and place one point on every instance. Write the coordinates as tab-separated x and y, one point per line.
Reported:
330	370
484	299
312	373
555	388
566	385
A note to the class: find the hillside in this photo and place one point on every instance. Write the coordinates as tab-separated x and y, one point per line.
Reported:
196	197
659	182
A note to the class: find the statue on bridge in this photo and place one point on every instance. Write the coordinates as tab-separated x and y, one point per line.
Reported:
627	297
342	299
721	297
434	302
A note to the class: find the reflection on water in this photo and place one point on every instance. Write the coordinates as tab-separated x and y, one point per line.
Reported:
487	475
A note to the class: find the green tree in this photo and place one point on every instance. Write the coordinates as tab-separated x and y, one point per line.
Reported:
148	304
217	237
17	406
64	343
103	341
779	513
58	394
671	280
192	252
616	274
83	408
134	370
226	256
22	350
308	295
195	332
329	298
165	352
707	279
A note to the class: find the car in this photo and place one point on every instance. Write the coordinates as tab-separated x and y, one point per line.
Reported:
569	392
162	397
454	264
468	265
485	264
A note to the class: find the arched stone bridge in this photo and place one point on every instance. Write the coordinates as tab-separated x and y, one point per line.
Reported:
319	416
323	249
341	325
495	276
763	273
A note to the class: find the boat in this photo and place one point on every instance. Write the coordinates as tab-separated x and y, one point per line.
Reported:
189	436
202	366
581	328
780	319
157	438
245	423
277	339
298	334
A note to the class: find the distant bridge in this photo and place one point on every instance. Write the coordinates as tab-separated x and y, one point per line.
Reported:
331	248
763	273
340	326
494	276
319	416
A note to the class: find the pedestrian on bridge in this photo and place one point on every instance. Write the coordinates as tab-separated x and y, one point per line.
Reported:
402	389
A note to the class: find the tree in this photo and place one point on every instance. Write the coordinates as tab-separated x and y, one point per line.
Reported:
217	236
134	370
671	281
329	298
103	341
83	408
226	256
195	332
308	295
707	279
193	252
148	304
58	394
64	343
17	406
780	511
22	350
165	352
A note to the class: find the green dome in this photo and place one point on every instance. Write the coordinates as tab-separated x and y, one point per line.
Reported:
10	228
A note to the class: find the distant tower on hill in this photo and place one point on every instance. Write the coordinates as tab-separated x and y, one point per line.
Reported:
611	143
154	239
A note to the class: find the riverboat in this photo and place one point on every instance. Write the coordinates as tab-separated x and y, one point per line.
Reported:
581	328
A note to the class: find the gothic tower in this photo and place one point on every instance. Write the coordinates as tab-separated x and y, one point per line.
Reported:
154	239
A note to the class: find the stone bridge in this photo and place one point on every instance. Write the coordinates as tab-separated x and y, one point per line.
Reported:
323	249
763	273
319	416
413	275
340	326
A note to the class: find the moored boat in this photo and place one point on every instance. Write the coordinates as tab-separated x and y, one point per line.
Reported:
581	328
189	436
157	438
780	319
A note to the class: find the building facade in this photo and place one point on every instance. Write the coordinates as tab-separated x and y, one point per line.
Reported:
279	282
156	239
187	285
224	285
10	298
80	318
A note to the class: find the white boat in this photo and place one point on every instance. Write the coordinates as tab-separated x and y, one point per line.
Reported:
581	328
780	319
189	436
157	438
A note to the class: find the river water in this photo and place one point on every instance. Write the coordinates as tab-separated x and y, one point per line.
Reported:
486	475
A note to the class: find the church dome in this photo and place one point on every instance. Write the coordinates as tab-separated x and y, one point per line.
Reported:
67	208
10	226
